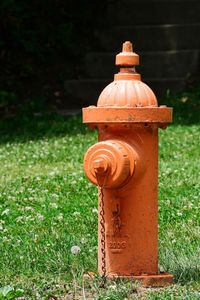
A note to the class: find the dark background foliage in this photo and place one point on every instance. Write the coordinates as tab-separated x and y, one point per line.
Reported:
39	43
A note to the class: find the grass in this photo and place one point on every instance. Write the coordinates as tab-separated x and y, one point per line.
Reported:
47	206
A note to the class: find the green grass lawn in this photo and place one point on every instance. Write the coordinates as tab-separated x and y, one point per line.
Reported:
47	206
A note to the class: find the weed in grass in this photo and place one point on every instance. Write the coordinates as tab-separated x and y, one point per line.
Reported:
8	293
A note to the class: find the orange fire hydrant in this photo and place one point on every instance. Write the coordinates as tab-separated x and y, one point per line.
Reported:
124	166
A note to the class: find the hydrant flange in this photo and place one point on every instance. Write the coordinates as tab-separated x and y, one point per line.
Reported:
153	115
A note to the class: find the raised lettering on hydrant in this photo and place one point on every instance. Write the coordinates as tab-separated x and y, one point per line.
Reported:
124	166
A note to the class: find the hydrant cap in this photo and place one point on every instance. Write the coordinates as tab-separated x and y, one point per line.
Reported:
130	93
127	89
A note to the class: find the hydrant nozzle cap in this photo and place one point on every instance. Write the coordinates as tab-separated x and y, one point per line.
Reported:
127	57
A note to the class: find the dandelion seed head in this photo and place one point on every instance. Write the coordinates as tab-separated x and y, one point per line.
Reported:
75	250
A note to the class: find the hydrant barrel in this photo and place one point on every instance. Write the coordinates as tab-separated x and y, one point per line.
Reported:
124	166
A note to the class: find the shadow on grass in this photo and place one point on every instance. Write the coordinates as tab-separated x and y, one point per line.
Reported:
23	128
186	107
28	126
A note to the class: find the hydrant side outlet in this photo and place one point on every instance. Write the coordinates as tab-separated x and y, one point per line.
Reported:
124	166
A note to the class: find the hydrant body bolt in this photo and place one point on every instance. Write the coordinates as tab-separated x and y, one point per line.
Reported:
124	165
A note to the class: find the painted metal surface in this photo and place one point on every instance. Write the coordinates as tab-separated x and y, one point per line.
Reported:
125	163
156	115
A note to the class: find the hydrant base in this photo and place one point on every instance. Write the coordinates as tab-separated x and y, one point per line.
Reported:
159	280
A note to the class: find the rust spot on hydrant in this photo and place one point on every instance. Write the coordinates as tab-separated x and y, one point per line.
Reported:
117	223
124	164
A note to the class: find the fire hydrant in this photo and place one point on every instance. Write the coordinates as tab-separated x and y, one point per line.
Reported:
124	166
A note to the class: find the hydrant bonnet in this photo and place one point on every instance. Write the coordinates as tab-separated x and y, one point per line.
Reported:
127	99
127	89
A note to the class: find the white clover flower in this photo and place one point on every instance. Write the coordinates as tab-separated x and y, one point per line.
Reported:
179	214
5	239
95	211
52	173
76	213
19	219
40	217
75	250
73	182
54	205
29	218
6	212
60	217
35	238
83	240
27	208
1	227
196	294
55	195
113	287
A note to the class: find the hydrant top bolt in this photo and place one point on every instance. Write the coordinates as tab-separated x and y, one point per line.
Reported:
127	47
127	57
